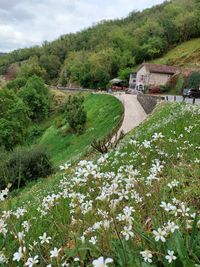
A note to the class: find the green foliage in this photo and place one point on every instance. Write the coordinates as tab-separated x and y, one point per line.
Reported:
16	84
165	88
36	96
124	74
154	47
32	67
34	132
137	179
194	80
14	119
70	146
51	64
93	69
23	165
93	56
75	114
180	84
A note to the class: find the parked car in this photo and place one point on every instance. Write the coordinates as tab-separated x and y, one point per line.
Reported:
191	93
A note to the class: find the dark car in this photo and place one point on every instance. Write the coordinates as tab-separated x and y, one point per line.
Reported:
191	93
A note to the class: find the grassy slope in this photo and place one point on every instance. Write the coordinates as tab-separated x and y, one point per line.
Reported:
104	113
185	55
178	151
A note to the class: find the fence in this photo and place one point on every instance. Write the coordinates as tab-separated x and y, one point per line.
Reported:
182	99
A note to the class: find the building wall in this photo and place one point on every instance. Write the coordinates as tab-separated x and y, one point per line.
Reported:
159	78
143	76
146	78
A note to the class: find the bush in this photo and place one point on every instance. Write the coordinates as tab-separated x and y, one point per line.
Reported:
75	114
16	84
34	132
194	80
180	84
155	89
23	165
165	88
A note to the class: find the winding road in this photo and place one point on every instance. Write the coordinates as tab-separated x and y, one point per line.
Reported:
134	113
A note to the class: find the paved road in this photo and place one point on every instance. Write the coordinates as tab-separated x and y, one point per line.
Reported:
180	99
134	114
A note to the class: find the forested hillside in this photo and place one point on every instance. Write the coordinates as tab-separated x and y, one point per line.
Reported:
109	49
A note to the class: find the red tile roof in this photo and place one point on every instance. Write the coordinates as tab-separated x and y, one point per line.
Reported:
157	68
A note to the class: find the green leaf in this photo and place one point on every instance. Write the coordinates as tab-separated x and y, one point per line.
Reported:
182	251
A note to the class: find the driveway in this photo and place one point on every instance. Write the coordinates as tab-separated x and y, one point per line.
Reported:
134	114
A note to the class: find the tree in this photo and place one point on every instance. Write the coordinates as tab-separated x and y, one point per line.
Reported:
32	67
14	119
36	96
124	74
51	64
194	80
75	114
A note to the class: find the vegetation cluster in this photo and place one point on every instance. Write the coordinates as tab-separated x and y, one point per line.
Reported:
36	132
134	206
92	57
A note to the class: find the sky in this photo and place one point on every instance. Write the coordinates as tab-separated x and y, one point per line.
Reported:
24	23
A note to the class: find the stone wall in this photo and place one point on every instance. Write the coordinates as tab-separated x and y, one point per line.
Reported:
148	102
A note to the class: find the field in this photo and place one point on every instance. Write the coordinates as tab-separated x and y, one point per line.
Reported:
136	206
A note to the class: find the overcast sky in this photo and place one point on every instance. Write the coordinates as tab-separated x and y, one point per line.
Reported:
28	22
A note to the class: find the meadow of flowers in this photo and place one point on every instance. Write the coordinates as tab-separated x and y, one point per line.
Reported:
138	205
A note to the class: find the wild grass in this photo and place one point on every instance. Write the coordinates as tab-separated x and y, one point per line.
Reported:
185	55
138	204
103	115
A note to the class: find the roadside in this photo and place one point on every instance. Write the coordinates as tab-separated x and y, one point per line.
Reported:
134	114
177	98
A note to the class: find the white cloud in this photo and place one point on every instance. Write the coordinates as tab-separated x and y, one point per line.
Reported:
28	22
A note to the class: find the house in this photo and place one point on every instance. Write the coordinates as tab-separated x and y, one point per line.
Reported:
151	75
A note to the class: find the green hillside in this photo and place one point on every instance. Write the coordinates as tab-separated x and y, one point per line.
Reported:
185	55
138	204
104	113
110	49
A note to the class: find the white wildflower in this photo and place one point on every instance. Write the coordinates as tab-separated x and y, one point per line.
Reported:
44	238
19	254
55	252
170	257
147	255
127	232
160	235
100	262
32	261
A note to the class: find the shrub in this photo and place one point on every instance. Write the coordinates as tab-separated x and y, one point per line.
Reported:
155	89
194	80
180	84
23	165
16	84
165	88
34	132
75	114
